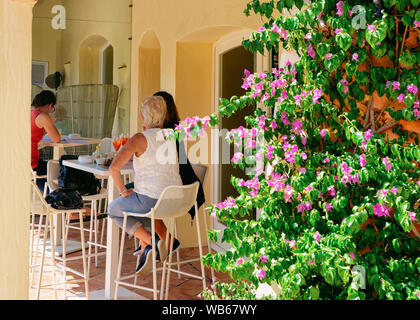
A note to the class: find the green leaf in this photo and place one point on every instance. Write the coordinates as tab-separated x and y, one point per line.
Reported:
314	293
344	40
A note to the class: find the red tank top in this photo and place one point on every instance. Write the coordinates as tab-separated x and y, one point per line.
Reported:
36	136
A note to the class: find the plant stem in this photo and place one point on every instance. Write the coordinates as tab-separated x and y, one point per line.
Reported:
387	126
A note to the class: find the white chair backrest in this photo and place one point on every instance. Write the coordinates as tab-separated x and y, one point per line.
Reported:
200	171
38	203
105	146
175	201
53	171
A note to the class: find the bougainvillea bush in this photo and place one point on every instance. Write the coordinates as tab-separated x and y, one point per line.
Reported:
339	192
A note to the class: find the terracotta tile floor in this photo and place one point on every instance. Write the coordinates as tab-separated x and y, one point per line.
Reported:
180	289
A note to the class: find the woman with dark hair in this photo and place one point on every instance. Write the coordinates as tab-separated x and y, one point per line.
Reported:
41	123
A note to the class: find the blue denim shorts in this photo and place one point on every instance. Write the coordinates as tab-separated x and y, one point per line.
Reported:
135	202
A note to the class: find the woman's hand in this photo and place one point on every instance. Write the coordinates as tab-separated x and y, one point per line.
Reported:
126	193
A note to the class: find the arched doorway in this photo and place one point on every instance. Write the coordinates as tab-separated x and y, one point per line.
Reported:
230	61
96	61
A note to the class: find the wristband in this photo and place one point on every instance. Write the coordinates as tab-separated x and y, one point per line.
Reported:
124	191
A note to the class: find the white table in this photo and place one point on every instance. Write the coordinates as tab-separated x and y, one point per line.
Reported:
58	147
112	239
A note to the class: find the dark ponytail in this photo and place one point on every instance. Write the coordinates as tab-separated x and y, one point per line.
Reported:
172	117
44	98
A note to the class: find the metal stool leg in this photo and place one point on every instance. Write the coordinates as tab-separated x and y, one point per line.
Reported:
90	238
41	218
64	246
53	255
171	245
154	259
82	235
118	277
42	259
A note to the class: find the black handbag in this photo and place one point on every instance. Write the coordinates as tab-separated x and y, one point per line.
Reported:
64	198
79	180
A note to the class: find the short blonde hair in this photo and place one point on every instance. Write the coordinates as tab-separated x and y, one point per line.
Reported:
154	111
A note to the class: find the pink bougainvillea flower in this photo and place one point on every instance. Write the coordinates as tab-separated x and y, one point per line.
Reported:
273	124
380	210
345	168
311	263
284	119
261	274
284	33
239	261
412	216
418	293
401	98
254	193
331	191
323	132
326	160
394	190
316	95
395	85
388	165
275	29
352	255
328	56
292	244
368	134
338	31
302	170
317	236
362	160
328	207
371	27
411	88
269	153
288	192
241	183
236	157
296	126
310	51
417	24
213	214
340	11
355	178
383	192
308	36
355	56
263	258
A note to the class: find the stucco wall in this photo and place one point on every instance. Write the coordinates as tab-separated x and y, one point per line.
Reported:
15	95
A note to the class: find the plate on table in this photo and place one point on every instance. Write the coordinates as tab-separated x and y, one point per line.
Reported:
74	136
85	159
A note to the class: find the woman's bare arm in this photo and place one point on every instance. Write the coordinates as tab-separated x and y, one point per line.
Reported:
136	145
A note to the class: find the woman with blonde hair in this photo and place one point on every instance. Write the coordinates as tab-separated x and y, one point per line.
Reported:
150	179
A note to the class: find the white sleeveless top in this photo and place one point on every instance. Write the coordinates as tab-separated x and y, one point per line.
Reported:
157	167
